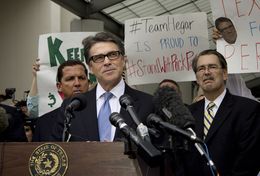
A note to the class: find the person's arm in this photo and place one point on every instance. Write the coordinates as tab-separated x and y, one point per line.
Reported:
247	161
34	88
32	99
216	34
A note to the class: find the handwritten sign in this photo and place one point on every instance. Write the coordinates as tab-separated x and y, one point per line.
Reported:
54	49
164	47
244	55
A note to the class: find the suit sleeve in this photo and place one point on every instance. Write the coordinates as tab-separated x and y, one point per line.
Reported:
247	160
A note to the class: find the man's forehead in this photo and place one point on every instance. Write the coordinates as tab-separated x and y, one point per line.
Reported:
208	59
68	70
103	48
73	67
224	24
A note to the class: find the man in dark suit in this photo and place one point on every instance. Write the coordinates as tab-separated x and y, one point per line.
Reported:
105	56
72	78
231	129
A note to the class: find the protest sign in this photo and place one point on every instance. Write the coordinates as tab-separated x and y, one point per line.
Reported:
243	55
163	47
54	49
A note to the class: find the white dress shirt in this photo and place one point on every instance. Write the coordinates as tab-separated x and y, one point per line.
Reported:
217	102
117	92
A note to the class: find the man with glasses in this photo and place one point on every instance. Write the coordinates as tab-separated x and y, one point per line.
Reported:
228	124
226	29
105	57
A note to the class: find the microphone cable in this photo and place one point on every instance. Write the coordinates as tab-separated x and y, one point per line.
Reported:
205	152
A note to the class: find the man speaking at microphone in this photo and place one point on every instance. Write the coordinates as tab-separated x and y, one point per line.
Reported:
105	56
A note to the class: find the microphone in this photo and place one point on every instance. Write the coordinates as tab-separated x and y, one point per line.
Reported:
169	104
154	120
4	120
77	103
145	149
127	103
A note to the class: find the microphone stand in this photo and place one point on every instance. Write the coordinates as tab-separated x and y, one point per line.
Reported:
202	152
129	148
67	122
209	161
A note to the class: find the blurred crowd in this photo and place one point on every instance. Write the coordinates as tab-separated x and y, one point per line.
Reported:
15	115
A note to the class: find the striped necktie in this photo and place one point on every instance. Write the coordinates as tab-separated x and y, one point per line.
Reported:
208	117
104	124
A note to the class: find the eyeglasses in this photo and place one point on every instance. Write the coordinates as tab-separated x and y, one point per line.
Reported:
210	68
101	57
224	30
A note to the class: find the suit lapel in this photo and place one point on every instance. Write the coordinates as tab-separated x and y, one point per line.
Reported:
199	116
93	113
221	115
89	117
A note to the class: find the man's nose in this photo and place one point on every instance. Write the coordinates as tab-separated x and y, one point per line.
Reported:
207	71
106	60
77	82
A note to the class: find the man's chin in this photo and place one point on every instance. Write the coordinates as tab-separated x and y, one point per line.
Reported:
231	41
207	88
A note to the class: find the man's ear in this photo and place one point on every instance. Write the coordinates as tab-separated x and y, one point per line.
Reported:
197	80
225	74
58	85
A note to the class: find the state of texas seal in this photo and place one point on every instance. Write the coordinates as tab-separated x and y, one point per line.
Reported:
48	159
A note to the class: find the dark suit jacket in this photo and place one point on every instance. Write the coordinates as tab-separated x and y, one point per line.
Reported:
232	140
15	131
44	126
84	127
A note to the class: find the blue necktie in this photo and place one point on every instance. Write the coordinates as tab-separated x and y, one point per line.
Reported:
104	124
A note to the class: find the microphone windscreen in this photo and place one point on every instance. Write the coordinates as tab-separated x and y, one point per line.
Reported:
82	102
168	104
115	118
125	100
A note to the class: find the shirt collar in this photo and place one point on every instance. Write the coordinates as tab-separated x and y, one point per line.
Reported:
218	100
117	91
